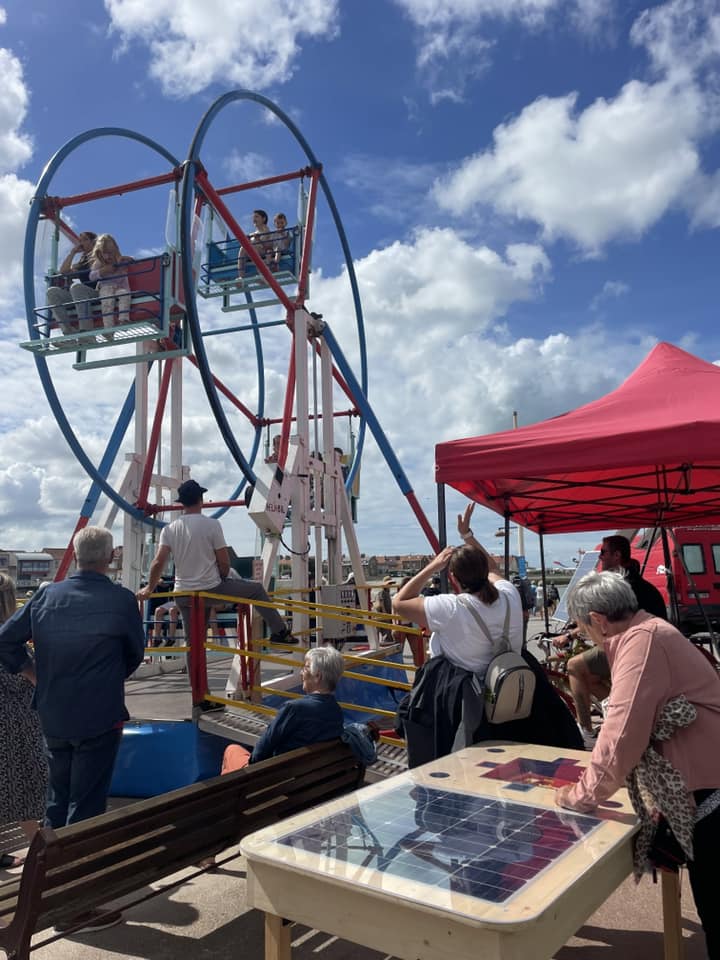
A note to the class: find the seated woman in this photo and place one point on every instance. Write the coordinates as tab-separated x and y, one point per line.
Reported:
313	718
261	239
81	292
661	730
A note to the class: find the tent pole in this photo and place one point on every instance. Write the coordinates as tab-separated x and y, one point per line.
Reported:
672	592
544	582
442	518
442	530
507	545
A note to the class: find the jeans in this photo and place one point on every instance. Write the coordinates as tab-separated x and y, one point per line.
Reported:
79	294
703	879
242	590
80	776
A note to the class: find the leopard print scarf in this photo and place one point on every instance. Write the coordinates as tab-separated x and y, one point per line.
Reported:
656	788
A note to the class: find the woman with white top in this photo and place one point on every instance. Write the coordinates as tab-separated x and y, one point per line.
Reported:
477	582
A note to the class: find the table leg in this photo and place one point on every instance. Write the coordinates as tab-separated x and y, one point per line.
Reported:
672	915
277	937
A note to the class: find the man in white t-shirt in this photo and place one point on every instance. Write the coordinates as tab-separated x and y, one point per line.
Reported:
198	548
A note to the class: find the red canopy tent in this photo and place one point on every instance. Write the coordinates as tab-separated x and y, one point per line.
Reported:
647	454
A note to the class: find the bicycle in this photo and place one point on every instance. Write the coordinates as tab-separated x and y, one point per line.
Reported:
556	659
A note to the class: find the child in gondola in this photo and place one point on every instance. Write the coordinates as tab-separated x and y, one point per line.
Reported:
109	268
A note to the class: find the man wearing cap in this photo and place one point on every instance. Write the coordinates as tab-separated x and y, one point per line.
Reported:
197	546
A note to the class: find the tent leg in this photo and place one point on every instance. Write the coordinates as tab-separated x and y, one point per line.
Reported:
667	560
507	545
442	530
544	582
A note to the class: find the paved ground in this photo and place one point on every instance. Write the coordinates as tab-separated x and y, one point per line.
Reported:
207	916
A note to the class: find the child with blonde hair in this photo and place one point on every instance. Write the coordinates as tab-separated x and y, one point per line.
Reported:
109	268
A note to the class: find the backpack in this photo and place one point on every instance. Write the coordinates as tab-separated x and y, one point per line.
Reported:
509	681
526	595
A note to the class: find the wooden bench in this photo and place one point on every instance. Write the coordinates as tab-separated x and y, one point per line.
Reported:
75	869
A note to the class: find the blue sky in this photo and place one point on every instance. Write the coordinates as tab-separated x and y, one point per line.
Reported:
530	190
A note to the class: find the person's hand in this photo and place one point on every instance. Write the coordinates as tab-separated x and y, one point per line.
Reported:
563	641
562	797
463	520
441	560
143	594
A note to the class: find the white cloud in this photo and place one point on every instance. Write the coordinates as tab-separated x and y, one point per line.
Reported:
15	146
454	36
611	290
3	16
15	196
15	193
607	172
407	286
194	45
703	200
682	37
244	167
391	189
429	13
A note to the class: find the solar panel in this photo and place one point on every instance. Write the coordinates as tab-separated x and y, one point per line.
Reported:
483	847
586	565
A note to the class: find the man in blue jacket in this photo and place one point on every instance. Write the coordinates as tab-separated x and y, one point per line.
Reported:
88	638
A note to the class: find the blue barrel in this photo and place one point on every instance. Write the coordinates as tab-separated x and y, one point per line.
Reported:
156	756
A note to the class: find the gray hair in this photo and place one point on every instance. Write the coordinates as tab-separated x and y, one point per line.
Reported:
93	548
607	592
327	665
8	597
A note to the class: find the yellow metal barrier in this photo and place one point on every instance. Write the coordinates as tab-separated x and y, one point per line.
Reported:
316	610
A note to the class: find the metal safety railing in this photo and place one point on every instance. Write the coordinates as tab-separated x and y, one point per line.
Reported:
252	652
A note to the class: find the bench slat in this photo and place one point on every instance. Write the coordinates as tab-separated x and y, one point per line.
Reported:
83	866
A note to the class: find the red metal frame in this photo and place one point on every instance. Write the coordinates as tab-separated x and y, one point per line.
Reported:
141	501
153	508
198	659
231	396
58	203
287	408
423	521
266	181
69	552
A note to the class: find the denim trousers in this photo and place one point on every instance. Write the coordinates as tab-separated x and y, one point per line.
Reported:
80	774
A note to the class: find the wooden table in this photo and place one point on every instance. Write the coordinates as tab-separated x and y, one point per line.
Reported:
465	857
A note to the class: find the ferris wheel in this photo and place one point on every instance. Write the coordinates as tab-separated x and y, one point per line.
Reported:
203	312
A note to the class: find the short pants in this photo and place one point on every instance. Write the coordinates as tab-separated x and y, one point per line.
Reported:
597	663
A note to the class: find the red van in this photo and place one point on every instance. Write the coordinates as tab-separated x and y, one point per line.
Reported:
695	569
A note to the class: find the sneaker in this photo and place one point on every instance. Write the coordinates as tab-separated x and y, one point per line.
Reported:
283	636
589	738
92	920
604	704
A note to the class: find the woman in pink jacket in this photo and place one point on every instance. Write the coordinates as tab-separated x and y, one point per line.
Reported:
659	737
